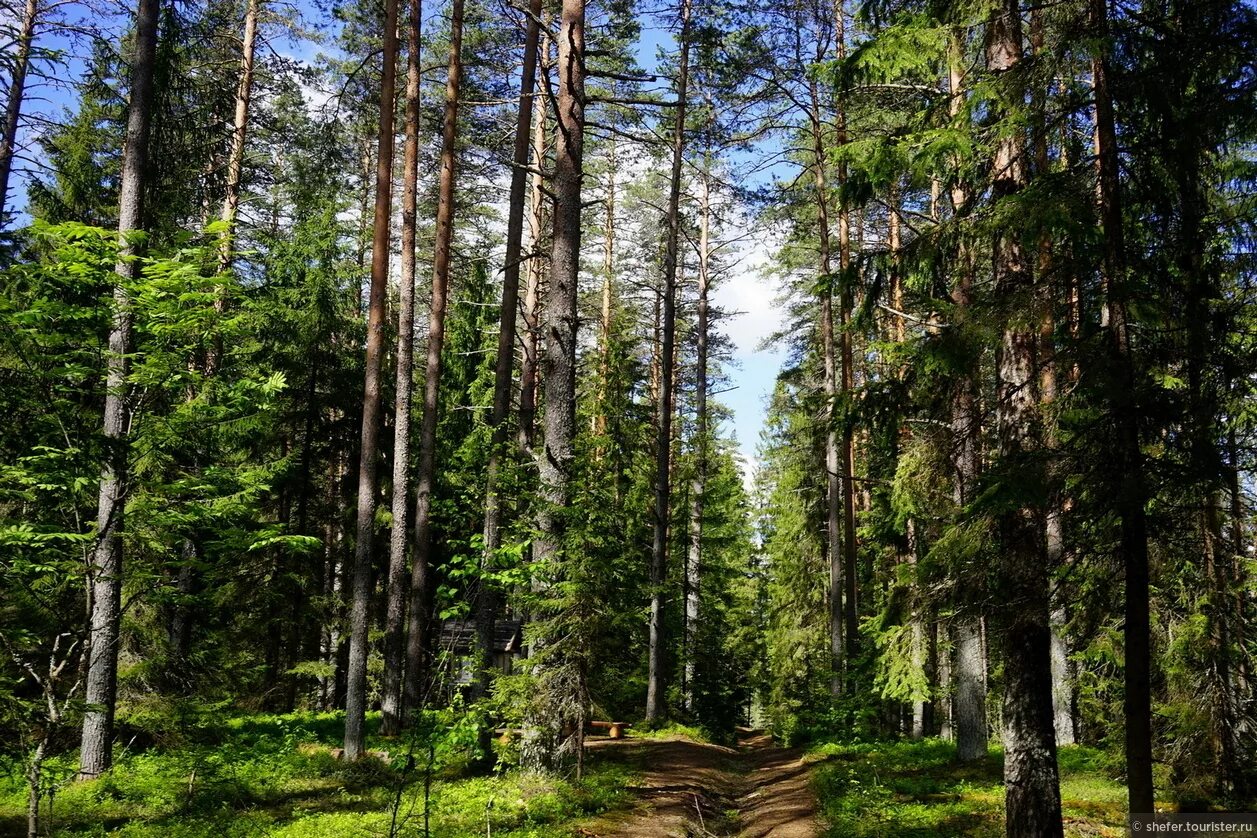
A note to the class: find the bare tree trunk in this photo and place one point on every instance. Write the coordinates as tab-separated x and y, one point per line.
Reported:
486	606
106	571
532	294
368	463
545	730
698	487
608	281
395	610
833	483
235	156
421	589
968	675
1132	492
1032	802
13	109
846	383
663	447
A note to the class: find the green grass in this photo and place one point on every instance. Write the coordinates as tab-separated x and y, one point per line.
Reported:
275	776
918	790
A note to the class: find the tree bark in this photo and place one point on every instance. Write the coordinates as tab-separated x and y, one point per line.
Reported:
106	569
368	463
530	310
235	156
13	108
1132	491
698	486
1032	801
968	675
395	609
846	383
833	482
663	444
608	291
421	587
486	606
558	367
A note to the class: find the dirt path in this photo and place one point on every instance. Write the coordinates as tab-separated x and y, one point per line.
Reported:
692	789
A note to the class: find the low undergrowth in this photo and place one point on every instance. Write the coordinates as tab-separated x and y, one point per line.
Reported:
278	776
918	790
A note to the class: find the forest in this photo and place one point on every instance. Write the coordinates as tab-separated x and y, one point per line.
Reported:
541	418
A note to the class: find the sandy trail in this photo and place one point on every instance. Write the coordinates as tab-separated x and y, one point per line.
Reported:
692	790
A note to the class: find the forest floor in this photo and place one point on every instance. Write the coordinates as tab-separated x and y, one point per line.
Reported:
277	776
686	788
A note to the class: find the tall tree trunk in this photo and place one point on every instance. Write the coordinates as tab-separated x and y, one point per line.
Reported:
1032	802
663	444
846	383
368	463
833	482
421	588
395	613
486	605
530	309
235	156
106	570
13	108
608	292
1132	491
968	675
558	367
698	486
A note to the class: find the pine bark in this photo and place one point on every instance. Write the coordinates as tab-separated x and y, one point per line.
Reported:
663	442
833	483
368	464
608	292
698	486
421	587
1032	800
240	126
106	568
1132	491
486	606
17	94
846	383
530	311
395	608
558	366
968	674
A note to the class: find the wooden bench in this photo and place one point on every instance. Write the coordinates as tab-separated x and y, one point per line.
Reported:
615	730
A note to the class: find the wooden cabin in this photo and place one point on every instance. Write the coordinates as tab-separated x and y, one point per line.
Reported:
458	638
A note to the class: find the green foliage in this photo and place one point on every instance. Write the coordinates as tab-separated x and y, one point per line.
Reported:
918	789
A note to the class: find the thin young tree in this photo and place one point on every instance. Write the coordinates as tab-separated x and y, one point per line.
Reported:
106	570
368	462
